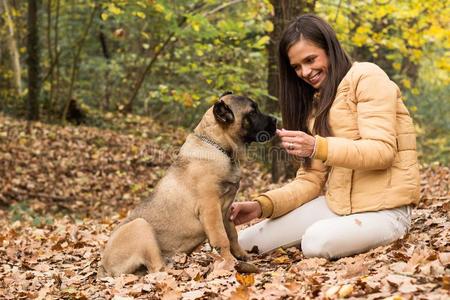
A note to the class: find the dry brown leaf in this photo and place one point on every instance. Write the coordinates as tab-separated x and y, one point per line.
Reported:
357	268
241	293
281	259
192	295
246	280
395	297
397	280
444	258
332	291
171	295
346	290
446	282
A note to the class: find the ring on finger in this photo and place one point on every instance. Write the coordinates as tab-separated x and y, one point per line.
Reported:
290	146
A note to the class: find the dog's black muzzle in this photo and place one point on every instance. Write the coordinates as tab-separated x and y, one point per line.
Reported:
268	131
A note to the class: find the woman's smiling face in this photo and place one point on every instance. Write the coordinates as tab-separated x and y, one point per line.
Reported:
309	62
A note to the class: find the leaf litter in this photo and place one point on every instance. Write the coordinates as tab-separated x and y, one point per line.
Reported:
63	190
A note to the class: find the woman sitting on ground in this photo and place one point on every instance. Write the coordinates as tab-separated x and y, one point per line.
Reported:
348	122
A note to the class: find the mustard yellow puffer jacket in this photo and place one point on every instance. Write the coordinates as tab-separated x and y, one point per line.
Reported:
370	162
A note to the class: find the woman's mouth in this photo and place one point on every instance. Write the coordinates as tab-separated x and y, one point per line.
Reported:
316	78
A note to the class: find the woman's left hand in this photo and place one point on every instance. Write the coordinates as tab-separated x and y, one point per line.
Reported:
297	143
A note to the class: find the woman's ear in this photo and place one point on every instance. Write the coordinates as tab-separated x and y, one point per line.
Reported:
223	113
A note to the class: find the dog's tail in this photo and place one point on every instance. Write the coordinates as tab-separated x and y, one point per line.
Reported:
132	245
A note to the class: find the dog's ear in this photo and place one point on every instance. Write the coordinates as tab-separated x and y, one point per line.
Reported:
223	113
226	93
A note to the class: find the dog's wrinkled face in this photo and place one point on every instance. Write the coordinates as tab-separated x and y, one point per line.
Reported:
240	116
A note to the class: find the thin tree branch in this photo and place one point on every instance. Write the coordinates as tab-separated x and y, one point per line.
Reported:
129	106
221	7
337	11
76	59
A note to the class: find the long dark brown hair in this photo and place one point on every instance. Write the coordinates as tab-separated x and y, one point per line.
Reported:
296	96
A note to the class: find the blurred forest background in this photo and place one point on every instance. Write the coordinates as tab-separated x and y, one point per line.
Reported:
138	75
97	61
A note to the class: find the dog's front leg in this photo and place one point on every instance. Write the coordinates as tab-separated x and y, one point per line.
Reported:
236	249
212	221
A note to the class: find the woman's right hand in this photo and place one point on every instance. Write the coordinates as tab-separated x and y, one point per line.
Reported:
243	212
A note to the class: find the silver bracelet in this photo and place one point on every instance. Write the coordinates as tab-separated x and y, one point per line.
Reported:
315	149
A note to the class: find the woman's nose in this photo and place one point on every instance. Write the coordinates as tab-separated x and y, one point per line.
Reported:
305	72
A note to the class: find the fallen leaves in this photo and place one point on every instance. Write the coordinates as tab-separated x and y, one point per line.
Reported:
245	280
63	189
343	291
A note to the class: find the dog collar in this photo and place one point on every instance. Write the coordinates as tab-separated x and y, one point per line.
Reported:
207	140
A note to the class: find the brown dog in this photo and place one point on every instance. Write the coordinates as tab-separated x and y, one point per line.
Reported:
191	202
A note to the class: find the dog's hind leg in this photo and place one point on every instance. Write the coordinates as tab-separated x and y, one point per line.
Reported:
132	245
152	255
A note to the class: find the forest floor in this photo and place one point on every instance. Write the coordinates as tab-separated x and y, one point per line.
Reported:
64	188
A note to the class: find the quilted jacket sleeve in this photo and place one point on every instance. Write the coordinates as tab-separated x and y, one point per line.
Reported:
307	185
376	99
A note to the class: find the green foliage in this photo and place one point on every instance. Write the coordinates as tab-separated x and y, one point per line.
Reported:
207	53
189	52
410	41
21	211
432	121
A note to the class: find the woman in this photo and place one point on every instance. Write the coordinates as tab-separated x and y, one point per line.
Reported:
348	122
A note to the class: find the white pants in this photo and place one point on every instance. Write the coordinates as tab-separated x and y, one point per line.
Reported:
322	233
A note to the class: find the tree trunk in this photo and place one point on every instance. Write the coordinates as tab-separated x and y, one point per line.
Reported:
285	11
13	50
33	50
56	91
76	61
106	54
49	101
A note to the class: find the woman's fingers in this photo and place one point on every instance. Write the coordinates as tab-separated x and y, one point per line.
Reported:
290	139
289	133
291	143
297	143
289	146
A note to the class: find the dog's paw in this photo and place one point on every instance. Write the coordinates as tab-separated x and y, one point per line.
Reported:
240	254
243	257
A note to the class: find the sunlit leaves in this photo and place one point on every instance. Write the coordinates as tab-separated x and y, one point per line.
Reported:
410	41
268	26
262	41
139	14
159	7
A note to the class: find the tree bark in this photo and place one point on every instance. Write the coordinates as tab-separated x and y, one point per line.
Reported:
284	12
13	50
48	102
76	61
33	51
56	52
106	54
